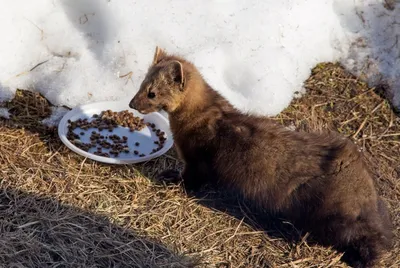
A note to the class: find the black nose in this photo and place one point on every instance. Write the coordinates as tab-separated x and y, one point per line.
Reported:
131	104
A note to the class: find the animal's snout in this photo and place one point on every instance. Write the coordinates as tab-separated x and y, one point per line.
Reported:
137	105
132	104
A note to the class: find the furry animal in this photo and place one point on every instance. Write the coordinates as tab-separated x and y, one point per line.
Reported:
318	181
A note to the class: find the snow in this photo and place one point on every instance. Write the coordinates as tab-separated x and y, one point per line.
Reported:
375	51
56	116
4	113
257	53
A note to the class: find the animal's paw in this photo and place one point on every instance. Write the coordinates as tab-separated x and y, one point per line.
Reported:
169	176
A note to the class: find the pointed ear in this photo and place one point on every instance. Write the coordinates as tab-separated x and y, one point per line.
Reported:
175	69
159	54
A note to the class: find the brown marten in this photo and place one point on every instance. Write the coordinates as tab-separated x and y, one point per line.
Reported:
318	181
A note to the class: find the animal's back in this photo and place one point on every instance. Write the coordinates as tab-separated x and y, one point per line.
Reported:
256	151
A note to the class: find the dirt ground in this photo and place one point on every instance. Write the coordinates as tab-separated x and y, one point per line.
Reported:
58	209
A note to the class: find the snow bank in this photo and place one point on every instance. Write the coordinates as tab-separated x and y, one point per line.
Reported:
257	53
375	52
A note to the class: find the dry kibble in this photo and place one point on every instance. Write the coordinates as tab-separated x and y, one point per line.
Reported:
109	120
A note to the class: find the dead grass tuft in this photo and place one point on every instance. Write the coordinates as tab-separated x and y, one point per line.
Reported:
58	209
27	110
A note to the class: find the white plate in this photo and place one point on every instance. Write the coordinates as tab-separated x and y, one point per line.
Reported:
145	137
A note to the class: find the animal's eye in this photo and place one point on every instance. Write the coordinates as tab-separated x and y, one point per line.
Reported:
151	95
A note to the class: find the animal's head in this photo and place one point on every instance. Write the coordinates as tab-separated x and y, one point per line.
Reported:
163	87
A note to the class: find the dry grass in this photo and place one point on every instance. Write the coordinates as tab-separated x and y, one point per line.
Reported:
60	210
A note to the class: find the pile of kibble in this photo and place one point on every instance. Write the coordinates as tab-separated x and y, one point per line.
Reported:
114	144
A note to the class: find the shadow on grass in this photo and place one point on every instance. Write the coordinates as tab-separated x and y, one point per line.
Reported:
41	232
274	225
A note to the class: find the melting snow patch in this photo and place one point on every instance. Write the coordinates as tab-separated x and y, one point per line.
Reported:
56	116
4	113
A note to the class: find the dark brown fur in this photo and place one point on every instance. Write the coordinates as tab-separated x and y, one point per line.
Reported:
318	181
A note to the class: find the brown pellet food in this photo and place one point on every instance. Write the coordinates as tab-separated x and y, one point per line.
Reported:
109	120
